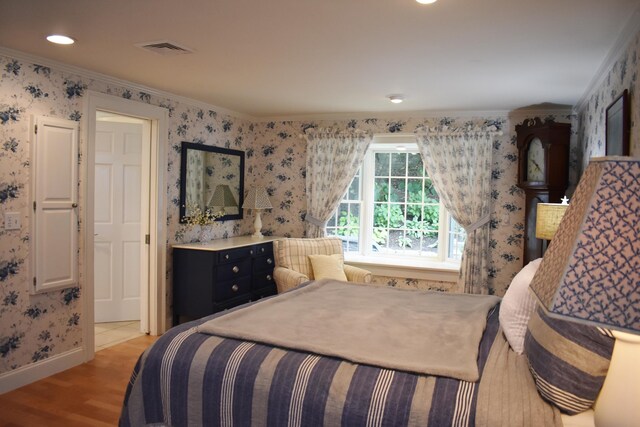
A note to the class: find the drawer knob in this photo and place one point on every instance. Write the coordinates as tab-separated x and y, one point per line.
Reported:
262	249
269	277
235	288
226	256
251	252
235	269
269	261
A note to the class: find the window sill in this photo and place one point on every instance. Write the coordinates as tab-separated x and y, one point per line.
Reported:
406	268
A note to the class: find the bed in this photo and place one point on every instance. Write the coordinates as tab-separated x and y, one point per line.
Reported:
236	368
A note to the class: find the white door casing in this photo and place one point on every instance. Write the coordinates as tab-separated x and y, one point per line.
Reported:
54	223
159	119
120	219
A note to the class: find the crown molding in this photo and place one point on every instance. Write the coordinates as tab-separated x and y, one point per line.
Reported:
383	115
627	34
72	69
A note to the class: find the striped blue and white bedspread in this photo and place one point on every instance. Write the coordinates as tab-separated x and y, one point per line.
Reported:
188	378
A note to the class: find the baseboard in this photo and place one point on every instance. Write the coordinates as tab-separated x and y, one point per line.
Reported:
36	371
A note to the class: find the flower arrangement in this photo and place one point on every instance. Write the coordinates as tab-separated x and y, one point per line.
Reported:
200	217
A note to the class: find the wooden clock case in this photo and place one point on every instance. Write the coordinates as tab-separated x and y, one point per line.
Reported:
555	139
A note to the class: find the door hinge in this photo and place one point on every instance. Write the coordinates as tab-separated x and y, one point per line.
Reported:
34	206
147	239
36	130
34	283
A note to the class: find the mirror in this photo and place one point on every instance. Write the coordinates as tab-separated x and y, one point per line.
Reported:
211	178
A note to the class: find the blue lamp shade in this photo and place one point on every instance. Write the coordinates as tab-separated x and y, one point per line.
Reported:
591	270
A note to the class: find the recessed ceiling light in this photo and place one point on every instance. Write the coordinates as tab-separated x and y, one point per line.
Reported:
396	99
60	39
426	1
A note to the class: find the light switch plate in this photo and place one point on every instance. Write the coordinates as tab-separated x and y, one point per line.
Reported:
12	220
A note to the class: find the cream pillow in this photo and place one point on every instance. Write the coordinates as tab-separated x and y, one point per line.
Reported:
517	306
328	267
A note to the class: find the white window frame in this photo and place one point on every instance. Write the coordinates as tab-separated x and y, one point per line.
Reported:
428	267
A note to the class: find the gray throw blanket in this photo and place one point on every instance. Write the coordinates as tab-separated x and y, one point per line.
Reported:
417	331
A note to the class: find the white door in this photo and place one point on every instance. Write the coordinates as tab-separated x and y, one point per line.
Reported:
54	165
120	216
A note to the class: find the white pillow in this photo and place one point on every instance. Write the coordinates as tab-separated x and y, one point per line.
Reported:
517	305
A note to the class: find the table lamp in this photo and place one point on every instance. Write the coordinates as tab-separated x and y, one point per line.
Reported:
591	274
257	199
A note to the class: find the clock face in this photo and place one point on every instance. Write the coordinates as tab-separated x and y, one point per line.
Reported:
535	161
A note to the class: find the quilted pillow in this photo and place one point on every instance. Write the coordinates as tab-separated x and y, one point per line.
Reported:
517	305
568	360
328	267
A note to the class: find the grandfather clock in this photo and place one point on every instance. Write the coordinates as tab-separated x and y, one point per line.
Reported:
543	172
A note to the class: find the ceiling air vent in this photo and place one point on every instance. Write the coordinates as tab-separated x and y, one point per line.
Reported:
164	47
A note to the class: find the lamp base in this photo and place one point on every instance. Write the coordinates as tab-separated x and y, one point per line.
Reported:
617	404
257	225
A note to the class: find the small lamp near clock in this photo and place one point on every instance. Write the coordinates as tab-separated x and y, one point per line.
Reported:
548	218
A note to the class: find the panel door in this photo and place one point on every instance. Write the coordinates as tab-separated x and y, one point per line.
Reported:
118	235
54	231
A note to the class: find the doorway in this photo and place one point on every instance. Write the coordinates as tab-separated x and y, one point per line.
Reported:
125	218
122	156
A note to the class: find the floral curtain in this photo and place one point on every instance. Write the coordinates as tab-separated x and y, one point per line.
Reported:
333	159
459	164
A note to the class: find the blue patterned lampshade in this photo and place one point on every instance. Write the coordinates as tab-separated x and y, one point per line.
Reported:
591	270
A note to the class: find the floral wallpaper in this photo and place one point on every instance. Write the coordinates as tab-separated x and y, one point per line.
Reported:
34	327
623	74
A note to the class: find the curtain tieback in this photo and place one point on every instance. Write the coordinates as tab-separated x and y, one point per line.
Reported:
479	223
315	221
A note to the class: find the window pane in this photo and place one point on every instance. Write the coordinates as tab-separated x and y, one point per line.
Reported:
397	190
382	164
381	190
430	243
353	193
414	190
415	167
457	237
381	215
430	193
431	217
398	164
380	236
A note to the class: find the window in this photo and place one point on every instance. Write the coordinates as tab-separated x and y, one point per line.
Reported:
391	209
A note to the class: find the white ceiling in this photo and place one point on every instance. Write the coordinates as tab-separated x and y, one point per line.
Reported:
279	58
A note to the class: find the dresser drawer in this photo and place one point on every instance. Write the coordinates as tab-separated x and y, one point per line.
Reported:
238	268
264	249
230	255
263	279
228	289
263	263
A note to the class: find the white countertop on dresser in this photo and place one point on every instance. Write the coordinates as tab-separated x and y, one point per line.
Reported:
232	242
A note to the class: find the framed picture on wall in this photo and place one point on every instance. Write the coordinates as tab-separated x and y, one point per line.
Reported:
617	126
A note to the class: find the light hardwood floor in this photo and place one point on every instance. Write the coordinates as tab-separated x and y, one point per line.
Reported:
88	395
